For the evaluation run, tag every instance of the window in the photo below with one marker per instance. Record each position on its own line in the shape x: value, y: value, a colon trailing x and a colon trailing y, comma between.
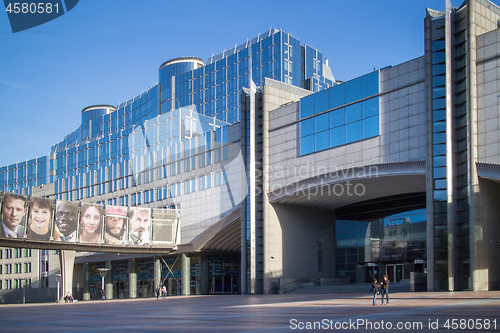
x: 209, y: 181
x: 202, y: 182
x: 345, y: 125
x: 44, y: 266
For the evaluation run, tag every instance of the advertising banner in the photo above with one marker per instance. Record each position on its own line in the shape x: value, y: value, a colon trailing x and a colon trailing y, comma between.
x: 40, y: 218
x: 66, y: 221
x: 91, y: 223
x: 82, y: 226
x: 13, y: 215
x: 139, y: 226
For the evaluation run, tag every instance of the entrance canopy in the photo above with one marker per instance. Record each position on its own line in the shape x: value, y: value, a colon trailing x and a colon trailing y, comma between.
x: 344, y: 187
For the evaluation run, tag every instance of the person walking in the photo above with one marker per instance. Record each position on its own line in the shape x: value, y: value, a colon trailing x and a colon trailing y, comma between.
x: 157, y: 291
x: 385, y: 289
x: 374, y: 289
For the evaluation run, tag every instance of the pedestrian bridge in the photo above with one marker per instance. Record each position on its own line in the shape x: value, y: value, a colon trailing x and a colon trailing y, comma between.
x: 41, y: 223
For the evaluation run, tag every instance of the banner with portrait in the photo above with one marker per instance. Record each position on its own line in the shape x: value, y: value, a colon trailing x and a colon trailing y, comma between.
x: 115, y: 225
x: 85, y: 226
x: 40, y: 218
x: 139, y: 226
x: 66, y: 221
x: 13, y: 215
x: 91, y: 223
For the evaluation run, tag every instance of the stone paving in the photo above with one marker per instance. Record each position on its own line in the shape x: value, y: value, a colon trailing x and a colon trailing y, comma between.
x: 411, y: 312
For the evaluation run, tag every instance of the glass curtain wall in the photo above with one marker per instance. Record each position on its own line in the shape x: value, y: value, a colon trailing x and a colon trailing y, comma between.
x: 99, y: 148
x: 395, y: 239
x: 440, y: 194
x: 342, y: 114
x: 461, y: 130
x: 215, y: 88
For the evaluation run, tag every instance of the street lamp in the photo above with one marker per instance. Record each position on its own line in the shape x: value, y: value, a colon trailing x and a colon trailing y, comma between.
x: 58, y: 279
x: 103, y: 272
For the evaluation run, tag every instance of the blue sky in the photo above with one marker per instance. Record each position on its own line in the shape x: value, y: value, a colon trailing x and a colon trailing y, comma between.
x: 109, y: 51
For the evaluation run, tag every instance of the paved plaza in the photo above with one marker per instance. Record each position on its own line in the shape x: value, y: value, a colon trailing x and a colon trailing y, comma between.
x: 423, y: 312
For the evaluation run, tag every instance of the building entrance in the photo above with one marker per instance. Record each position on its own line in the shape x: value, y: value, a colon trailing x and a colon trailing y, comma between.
x: 371, y: 271
x: 395, y: 272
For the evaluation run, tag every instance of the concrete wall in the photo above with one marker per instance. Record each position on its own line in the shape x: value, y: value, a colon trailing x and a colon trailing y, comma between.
x: 488, y: 90
x: 487, y: 237
x: 402, y: 112
x: 305, y: 230
x: 275, y: 95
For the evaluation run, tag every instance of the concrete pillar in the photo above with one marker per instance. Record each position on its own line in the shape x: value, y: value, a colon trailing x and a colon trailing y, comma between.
x: 132, y: 278
x: 157, y: 276
x: 204, y: 275
x: 86, y: 282
x: 108, y: 280
x: 185, y: 274
x: 66, y: 262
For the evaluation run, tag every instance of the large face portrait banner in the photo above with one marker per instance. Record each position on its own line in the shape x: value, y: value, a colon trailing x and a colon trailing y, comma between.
x: 115, y: 225
x: 13, y: 215
x: 40, y: 218
x: 139, y: 226
x: 66, y: 221
x: 91, y: 223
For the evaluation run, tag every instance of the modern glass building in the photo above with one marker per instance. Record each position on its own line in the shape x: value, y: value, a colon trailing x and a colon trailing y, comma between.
x: 283, y: 176
x: 173, y: 143
x: 110, y: 135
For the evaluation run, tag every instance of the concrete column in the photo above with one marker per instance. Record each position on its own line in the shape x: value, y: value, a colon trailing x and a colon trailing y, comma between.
x: 204, y: 275
x: 108, y: 280
x: 185, y: 274
x: 86, y: 282
x: 132, y: 279
x: 67, y: 262
x: 157, y: 276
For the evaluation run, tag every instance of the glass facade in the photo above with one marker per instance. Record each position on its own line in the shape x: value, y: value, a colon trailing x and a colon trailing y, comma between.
x: 439, y: 159
x: 155, y: 128
x: 342, y: 114
x: 216, y: 87
x: 450, y: 136
x: 373, y: 242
